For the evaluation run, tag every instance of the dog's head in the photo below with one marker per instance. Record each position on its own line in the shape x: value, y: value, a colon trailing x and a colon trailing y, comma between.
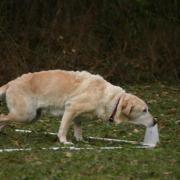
x: 134, y: 110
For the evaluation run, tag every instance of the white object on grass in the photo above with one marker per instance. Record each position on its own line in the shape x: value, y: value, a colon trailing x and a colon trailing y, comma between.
x: 113, y: 140
x: 151, y: 137
x: 23, y: 131
x: 29, y: 131
x: 15, y: 149
x: 71, y: 148
x: 93, y: 138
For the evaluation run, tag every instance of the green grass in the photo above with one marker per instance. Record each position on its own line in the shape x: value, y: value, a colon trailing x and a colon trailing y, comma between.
x: 162, y: 162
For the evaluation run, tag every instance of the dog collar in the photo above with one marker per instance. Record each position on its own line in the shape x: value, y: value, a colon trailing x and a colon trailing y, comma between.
x: 111, y: 118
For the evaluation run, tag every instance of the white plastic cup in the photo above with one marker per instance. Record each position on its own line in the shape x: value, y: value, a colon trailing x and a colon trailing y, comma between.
x: 151, y: 137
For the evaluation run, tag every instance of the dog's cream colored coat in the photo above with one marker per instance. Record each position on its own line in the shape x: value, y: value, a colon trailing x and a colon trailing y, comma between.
x: 70, y: 94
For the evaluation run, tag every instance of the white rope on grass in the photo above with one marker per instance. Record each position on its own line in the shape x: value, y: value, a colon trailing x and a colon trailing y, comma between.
x: 151, y: 137
x: 93, y: 138
x: 113, y: 140
x: 23, y: 131
x: 29, y: 131
x: 15, y: 149
x: 71, y: 148
x: 141, y: 145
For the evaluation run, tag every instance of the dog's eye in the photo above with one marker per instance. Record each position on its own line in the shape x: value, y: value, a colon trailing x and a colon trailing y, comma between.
x: 144, y: 110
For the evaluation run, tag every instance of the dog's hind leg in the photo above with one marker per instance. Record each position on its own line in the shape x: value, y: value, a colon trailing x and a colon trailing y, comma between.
x: 78, y: 130
x: 22, y: 108
x: 2, y: 126
x: 4, y: 121
x: 7, y: 119
x: 3, y: 90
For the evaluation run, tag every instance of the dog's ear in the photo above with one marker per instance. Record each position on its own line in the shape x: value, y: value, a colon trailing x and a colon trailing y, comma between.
x: 127, y: 106
x: 120, y: 106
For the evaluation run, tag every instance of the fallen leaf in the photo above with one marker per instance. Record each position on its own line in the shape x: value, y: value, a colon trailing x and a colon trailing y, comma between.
x: 135, y: 130
x: 68, y: 154
x: 172, y: 111
x: 167, y: 173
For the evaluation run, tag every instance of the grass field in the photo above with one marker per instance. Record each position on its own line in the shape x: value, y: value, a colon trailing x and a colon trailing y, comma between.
x: 162, y: 162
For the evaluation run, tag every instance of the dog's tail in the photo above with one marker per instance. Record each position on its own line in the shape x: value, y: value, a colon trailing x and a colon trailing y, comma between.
x: 3, y: 90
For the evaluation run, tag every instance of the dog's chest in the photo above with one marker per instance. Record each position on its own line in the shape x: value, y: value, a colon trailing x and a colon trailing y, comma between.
x: 99, y: 113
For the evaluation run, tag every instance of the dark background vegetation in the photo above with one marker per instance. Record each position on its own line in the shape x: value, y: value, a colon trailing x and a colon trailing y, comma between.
x: 123, y: 40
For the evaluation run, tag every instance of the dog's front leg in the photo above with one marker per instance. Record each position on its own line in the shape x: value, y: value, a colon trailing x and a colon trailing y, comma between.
x: 78, y: 130
x: 64, y: 127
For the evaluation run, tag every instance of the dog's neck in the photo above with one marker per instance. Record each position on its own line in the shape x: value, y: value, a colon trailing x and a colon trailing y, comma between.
x: 111, y: 95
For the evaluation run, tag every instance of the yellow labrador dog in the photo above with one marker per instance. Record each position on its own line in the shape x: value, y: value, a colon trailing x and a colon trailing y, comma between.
x: 71, y: 94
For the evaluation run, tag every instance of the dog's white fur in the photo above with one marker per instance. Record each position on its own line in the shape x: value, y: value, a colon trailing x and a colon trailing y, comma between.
x: 70, y: 94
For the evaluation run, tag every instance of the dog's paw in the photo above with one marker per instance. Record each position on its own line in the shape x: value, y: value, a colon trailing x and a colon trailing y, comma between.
x: 68, y: 143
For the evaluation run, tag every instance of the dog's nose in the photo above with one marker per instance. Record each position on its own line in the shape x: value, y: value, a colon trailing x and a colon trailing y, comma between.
x: 154, y: 122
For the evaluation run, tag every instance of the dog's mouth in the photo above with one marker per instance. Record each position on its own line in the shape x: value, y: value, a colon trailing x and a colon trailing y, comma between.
x: 153, y: 123
x: 144, y: 122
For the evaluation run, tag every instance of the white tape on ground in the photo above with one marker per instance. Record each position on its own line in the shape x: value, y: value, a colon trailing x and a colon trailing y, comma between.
x: 113, y: 140
x: 15, y: 149
x: 142, y: 145
x: 93, y: 138
x: 29, y: 131
x: 71, y: 148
